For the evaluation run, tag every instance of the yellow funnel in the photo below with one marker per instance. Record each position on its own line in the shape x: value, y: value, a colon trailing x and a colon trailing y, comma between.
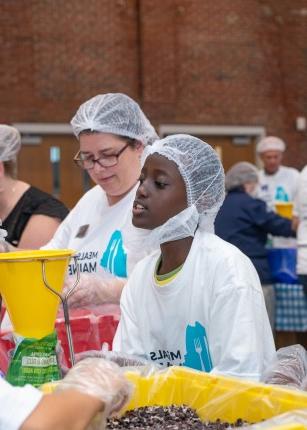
x: 31, y: 306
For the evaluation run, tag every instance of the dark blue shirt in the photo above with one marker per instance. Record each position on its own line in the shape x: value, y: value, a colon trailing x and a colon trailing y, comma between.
x: 245, y: 222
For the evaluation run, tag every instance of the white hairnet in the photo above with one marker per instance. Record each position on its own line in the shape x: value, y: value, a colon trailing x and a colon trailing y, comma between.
x: 270, y: 143
x: 239, y: 174
x: 10, y: 142
x: 114, y: 113
x: 203, y: 175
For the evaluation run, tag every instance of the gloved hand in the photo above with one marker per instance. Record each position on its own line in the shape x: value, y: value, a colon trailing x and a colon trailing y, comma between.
x: 120, y: 358
x: 139, y: 364
x: 94, y: 290
x: 290, y: 368
x: 101, y: 379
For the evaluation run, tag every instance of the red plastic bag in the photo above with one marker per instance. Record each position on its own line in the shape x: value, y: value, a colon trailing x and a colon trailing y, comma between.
x: 7, y: 346
x: 91, y: 328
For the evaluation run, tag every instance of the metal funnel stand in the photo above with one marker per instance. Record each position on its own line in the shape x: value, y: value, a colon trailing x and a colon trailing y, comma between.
x: 64, y: 299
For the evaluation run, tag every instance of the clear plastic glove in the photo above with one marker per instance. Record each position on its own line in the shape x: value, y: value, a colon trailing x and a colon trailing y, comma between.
x: 101, y: 379
x: 290, y: 367
x: 120, y: 358
x: 94, y: 290
x: 139, y: 364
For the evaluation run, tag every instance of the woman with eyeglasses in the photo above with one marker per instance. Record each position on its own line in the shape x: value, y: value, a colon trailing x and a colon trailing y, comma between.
x: 112, y: 132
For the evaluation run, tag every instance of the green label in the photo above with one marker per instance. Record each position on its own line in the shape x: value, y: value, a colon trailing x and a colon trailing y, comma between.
x: 34, y: 362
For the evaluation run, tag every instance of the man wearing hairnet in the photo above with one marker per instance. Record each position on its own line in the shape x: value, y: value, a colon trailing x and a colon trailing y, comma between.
x: 197, y: 301
x: 244, y: 221
x: 277, y: 183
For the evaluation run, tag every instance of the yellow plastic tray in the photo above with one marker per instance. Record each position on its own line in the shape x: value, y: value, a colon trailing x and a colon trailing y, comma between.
x: 214, y: 396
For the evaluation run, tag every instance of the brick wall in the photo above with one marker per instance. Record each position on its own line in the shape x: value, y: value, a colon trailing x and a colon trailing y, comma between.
x: 57, y: 54
x: 205, y: 62
x: 242, y: 62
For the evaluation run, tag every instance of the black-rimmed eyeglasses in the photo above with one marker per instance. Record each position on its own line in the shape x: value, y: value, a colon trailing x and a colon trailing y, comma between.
x: 88, y: 163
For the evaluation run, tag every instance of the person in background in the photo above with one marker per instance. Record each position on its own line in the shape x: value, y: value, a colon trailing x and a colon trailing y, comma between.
x: 301, y: 206
x: 277, y: 183
x: 244, y: 221
x: 112, y: 131
x: 91, y: 386
x: 197, y: 300
x: 30, y: 216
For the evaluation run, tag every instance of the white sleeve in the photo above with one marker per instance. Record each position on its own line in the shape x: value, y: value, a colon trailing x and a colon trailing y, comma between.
x: 296, y: 180
x: 127, y: 337
x: 302, y: 227
x: 296, y: 191
x: 302, y: 195
x: 63, y: 234
x: 68, y: 229
x: 241, y: 340
x: 17, y: 403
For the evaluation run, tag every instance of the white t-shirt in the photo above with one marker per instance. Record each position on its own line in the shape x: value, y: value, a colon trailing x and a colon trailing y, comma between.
x: 96, y: 230
x: 16, y: 404
x: 279, y: 187
x: 210, y: 317
x: 93, y: 229
x: 301, y: 204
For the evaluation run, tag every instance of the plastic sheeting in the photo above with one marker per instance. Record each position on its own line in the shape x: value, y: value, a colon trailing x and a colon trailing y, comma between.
x: 294, y: 420
x: 290, y: 367
x: 91, y: 328
x: 215, y: 396
x: 218, y: 397
x: 126, y: 361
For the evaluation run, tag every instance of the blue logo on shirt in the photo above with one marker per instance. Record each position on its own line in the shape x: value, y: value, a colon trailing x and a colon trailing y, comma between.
x: 197, y: 347
x: 114, y: 258
x: 281, y: 194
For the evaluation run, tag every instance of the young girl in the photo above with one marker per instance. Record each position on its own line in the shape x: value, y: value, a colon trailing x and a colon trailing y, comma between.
x: 197, y: 301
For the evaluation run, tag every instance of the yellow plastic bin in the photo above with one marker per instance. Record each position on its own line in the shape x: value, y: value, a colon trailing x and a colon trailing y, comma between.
x: 214, y: 396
